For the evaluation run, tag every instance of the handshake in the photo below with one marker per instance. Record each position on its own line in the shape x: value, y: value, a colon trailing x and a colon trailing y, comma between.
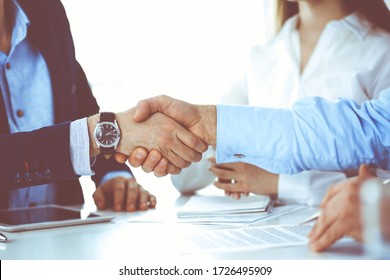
x: 162, y: 134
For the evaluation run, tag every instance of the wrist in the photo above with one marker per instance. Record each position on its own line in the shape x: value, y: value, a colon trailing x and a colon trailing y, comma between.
x: 93, y: 147
x: 126, y: 126
x: 104, y: 134
x: 208, y: 115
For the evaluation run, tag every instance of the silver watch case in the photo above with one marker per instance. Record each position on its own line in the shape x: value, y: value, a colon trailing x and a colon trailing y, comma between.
x: 115, y: 125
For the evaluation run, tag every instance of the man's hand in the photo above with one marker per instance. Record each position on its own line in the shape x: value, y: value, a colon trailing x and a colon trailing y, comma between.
x: 123, y: 195
x: 152, y: 161
x: 200, y: 120
x: 159, y: 132
x: 340, y: 213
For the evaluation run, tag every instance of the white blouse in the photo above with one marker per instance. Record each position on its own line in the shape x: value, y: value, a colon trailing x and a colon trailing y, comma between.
x: 350, y: 60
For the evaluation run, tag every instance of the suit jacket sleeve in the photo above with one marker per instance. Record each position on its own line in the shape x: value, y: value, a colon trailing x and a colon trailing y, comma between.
x: 36, y: 157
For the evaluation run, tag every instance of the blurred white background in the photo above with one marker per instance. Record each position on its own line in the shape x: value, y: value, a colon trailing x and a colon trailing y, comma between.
x: 189, y: 49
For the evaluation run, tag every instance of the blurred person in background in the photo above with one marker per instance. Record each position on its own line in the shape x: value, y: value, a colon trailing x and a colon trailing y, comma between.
x: 331, y: 49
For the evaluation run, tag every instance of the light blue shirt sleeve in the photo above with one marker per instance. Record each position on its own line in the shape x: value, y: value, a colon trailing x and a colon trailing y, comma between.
x: 314, y: 134
x: 79, y: 147
x: 114, y: 174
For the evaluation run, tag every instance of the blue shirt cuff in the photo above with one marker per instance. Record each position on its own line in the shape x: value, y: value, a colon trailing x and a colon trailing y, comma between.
x: 79, y: 147
x: 113, y: 174
x: 243, y: 135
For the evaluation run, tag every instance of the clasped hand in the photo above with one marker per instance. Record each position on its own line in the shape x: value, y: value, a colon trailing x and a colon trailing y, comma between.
x: 164, y: 135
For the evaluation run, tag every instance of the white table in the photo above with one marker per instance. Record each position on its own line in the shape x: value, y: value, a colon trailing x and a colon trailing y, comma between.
x: 120, y: 239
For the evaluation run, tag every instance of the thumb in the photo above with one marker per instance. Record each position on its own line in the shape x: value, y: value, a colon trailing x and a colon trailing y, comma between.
x: 121, y: 158
x: 143, y: 111
x: 365, y: 171
x: 99, y: 199
x: 148, y: 107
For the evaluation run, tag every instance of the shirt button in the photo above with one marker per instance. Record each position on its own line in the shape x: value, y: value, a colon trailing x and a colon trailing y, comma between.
x: 20, y: 113
x: 8, y: 65
x: 239, y: 155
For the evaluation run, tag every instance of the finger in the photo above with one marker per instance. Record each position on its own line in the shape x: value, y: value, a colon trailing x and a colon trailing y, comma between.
x: 227, y: 187
x: 152, y: 201
x: 138, y: 156
x: 143, y: 199
x: 315, y: 232
x: 98, y: 197
x: 161, y: 168
x: 331, y: 193
x: 224, y: 166
x: 365, y: 171
x: 132, y: 195
x: 119, y: 189
x: 121, y: 158
x: 177, y: 160
x: 185, y: 150
x: 151, y: 161
x: 326, y: 219
x: 171, y: 169
x: 212, y: 160
x: 236, y: 195
x: 227, y: 166
x: 329, y: 237
x: 223, y: 174
x: 193, y: 142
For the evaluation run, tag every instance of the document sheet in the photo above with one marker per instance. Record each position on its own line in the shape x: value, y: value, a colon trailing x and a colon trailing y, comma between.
x: 247, y: 238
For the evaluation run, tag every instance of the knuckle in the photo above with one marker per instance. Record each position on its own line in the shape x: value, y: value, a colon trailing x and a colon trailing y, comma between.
x: 146, y: 168
x: 117, y: 180
x: 194, y: 156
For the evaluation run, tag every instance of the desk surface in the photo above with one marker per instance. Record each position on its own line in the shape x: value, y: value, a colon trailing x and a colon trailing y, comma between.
x: 120, y: 239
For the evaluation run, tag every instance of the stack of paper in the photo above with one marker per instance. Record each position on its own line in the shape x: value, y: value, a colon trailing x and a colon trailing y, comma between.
x: 245, y: 238
x: 218, y: 219
x: 203, y: 206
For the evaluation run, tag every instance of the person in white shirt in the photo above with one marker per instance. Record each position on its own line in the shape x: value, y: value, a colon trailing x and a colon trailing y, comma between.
x: 324, y: 48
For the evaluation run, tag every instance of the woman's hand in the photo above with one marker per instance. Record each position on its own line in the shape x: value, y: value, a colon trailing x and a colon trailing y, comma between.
x: 239, y: 178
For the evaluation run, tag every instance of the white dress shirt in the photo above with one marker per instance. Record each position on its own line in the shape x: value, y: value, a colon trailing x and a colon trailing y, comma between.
x: 351, y: 58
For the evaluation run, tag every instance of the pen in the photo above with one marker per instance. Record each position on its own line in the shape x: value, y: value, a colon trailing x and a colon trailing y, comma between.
x: 3, y: 238
x: 311, y: 218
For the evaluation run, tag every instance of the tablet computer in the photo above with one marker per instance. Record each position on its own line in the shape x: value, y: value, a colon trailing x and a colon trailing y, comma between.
x: 46, y: 216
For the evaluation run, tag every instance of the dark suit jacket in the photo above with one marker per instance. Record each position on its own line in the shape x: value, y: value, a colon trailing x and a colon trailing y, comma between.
x: 46, y: 150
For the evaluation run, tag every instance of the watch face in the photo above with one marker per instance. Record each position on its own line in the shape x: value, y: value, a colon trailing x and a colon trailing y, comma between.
x: 107, y: 134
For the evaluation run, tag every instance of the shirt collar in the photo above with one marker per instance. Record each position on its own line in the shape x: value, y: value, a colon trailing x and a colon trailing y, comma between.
x: 353, y: 22
x: 357, y: 25
x: 21, y: 23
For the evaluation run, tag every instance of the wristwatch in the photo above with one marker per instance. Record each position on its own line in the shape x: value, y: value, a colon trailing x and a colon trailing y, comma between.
x: 107, y: 134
